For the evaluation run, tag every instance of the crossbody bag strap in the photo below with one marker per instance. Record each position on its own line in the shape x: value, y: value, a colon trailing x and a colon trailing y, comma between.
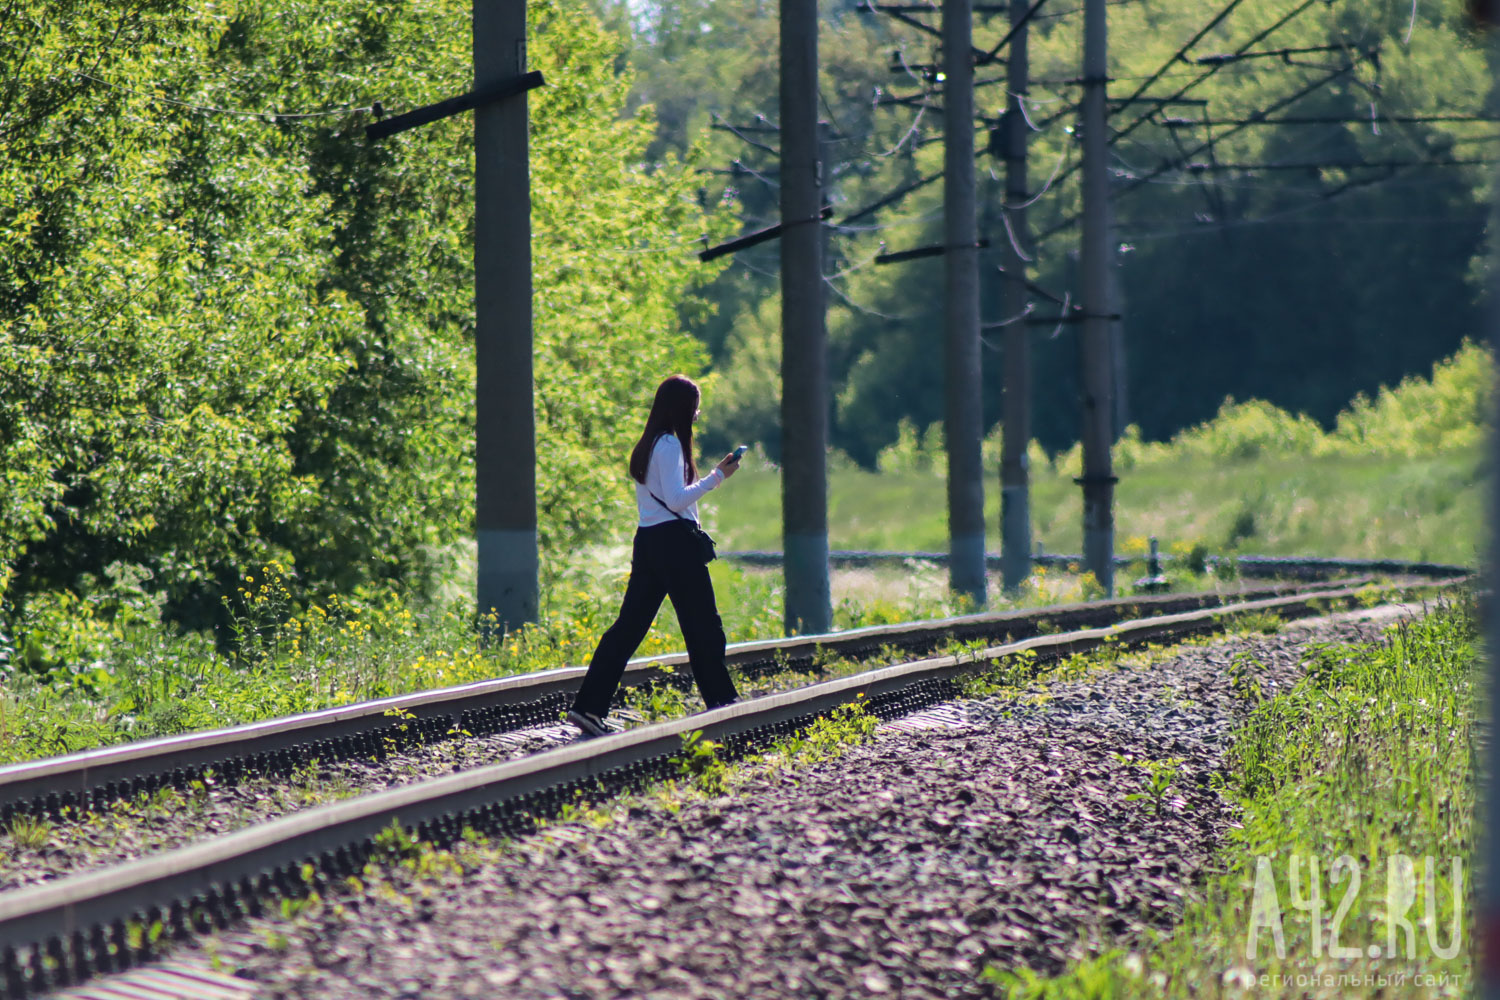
x: 670, y: 510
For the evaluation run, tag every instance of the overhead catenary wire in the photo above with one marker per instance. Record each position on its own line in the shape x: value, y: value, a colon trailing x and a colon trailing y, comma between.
x: 888, y: 199
x: 1286, y: 215
x: 900, y: 14
x: 723, y: 126
x: 1347, y: 165
x: 1198, y: 78
x: 1259, y: 37
x: 1283, y: 54
x: 869, y: 311
x: 1260, y: 119
x: 1275, y: 106
x: 1169, y: 164
x: 1031, y: 12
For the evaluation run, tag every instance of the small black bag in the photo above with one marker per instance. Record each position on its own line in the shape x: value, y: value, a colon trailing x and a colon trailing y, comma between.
x: 701, y: 538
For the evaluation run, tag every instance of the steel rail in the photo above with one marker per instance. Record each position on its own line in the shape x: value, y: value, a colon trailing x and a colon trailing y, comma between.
x: 1282, y: 567
x: 91, y: 778
x: 67, y: 929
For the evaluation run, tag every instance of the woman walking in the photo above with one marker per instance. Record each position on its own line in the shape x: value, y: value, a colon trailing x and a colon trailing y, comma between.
x: 667, y: 560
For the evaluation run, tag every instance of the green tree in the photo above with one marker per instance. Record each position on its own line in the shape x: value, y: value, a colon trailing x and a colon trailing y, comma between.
x: 1275, y: 284
x: 235, y: 330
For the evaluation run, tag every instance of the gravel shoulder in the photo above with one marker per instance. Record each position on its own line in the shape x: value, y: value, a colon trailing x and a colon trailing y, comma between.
x: 1010, y: 830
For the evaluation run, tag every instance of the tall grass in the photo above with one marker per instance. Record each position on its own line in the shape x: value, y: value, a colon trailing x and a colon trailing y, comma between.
x: 1370, y: 759
x: 94, y: 671
x: 1399, y: 476
x: 1428, y: 509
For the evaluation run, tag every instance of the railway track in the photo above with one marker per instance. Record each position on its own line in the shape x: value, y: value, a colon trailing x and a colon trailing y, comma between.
x: 76, y: 783
x: 100, y: 921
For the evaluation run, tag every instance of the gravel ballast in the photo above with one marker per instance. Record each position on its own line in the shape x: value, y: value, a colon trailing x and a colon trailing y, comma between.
x: 996, y: 831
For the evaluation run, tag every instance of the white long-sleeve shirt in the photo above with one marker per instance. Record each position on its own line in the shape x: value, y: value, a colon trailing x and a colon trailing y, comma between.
x: 664, y: 475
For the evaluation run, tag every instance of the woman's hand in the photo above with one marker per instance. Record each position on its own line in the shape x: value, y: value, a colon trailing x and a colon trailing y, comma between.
x: 728, y: 466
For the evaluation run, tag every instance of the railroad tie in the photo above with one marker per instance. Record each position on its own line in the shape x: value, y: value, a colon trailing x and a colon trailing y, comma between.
x: 167, y: 981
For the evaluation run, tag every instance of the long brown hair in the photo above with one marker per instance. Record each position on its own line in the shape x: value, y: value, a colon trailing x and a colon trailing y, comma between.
x: 672, y: 412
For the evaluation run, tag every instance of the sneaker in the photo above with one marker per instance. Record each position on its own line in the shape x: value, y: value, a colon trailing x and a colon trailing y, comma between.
x: 589, y: 723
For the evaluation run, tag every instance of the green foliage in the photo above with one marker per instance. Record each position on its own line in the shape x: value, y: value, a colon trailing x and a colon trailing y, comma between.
x: 748, y: 404
x: 397, y: 843
x: 656, y: 702
x: 1248, y: 430
x: 829, y: 737
x: 95, y: 671
x: 1266, y: 285
x: 699, y: 763
x: 28, y: 833
x: 231, y: 339
x: 1445, y: 413
x: 915, y: 452
x: 1400, y: 476
x: 1448, y: 412
x: 1160, y: 776
x: 101, y: 669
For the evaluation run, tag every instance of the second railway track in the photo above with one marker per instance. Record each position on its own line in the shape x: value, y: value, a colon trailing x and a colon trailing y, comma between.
x: 94, y: 922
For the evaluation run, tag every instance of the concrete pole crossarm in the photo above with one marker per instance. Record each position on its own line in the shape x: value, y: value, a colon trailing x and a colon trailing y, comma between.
x: 429, y: 113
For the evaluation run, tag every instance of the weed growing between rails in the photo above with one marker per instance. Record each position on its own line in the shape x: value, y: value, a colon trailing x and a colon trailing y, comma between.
x: 1350, y: 875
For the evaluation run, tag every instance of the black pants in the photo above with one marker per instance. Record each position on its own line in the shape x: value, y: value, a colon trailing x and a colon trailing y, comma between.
x: 663, y: 563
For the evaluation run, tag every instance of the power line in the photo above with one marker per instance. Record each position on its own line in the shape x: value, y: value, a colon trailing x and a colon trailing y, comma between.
x: 867, y: 310
x: 1172, y: 163
x: 1015, y: 26
x: 1202, y: 168
x: 1276, y: 106
x: 900, y: 13
x: 739, y: 132
x: 888, y: 199
x: 1180, y: 53
x: 1199, y: 78
x: 1306, y: 206
x: 1256, y: 40
x: 1260, y: 119
x: 1284, y: 54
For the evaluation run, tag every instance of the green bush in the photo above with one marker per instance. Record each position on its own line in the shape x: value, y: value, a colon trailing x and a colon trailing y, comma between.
x: 1249, y: 430
x: 1447, y: 413
x: 914, y: 450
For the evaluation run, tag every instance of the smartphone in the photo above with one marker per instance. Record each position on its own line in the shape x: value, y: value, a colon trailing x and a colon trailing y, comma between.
x: 739, y: 452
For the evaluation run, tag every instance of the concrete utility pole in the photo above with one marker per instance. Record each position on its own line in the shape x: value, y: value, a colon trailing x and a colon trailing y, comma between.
x: 1120, y: 383
x: 505, y: 431
x: 1015, y: 474
x: 1098, y: 479
x: 1486, y: 852
x: 963, y: 423
x: 804, y: 337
